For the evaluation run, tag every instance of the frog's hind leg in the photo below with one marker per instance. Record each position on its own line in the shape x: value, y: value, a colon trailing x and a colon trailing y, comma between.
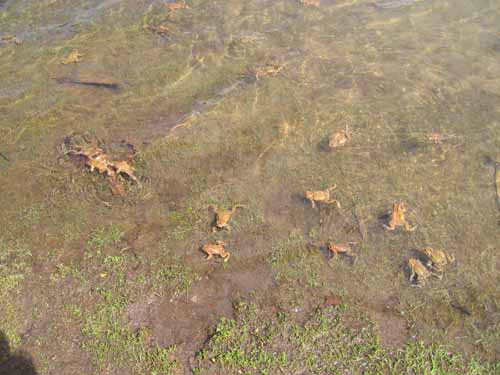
x: 391, y: 226
x: 438, y: 274
x: 334, y: 201
x: 413, y: 279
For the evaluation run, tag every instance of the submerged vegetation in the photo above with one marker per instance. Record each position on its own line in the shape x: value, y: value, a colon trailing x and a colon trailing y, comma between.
x: 315, y: 118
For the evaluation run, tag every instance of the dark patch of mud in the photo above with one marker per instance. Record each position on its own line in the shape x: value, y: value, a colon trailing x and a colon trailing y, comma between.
x: 187, y: 321
x: 391, y: 326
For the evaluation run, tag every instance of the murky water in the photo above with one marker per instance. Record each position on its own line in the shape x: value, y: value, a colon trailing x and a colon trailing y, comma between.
x: 232, y: 101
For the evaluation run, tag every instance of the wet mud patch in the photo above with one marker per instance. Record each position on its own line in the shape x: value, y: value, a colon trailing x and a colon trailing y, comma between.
x: 390, y: 325
x: 186, y: 321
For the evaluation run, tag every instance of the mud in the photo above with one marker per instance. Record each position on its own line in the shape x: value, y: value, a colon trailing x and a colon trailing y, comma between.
x: 187, y: 321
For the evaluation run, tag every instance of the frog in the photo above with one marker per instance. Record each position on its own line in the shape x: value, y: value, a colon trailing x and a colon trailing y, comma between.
x: 101, y: 164
x: 177, y: 5
x: 419, y: 273
x: 437, y: 259
x: 125, y: 168
x: 341, y: 248
x: 160, y: 29
x: 398, y: 218
x: 439, y: 138
x: 268, y: 69
x: 9, y: 39
x: 72, y: 58
x: 321, y: 196
x: 339, y: 138
x: 222, y: 217
x: 216, y: 248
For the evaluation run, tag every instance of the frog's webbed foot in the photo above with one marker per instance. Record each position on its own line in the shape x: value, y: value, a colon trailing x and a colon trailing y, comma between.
x: 226, y: 258
x: 209, y: 256
x: 409, y: 228
x: 389, y: 227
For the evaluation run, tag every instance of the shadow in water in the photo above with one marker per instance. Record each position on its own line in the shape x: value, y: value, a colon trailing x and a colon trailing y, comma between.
x: 18, y: 363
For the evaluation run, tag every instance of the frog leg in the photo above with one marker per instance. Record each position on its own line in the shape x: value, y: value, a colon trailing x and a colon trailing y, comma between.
x: 334, y: 201
x: 209, y: 257
x: 412, y: 278
x: 437, y: 275
x: 409, y: 228
x: 391, y: 226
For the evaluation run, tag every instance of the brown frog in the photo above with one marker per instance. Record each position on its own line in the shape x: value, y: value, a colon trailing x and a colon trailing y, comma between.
x: 125, y: 168
x: 268, y: 69
x: 222, y: 217
x: 339, y: 138
x: 419, y: 274
x: 9, y: 39
x: 437, y: 259
x: 321, y: 196
x: 160, y: 30
x: 72, y: 58
x: 341, y: 248
x: 177, y: 5
x: 398, y: 218
x: 216, y: 248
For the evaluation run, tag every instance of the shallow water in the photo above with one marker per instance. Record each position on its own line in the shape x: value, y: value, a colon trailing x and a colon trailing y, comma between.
x: 213, y: 127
